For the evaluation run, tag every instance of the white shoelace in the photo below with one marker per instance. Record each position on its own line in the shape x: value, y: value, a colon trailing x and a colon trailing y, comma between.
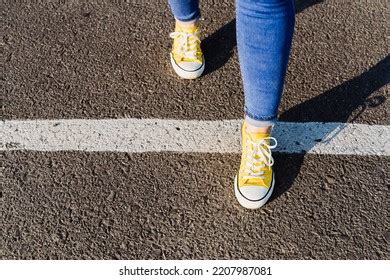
x: 260, y: 157
x: 185, y: 43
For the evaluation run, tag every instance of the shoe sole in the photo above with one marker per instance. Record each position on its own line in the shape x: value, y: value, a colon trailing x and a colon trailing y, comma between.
x: 187, y: 74
x: 250, y: 204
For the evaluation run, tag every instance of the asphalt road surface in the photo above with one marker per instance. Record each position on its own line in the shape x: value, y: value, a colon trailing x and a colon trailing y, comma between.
x: 94, y: 60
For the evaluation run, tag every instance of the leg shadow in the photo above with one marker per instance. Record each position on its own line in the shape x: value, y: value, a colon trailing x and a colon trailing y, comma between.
x: 301, y: 5
x: 335, y: 105
x: 218, y: 47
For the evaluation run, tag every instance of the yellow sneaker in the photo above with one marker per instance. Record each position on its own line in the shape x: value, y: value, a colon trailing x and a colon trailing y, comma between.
x: 186, y: 56
x: 255, y: 180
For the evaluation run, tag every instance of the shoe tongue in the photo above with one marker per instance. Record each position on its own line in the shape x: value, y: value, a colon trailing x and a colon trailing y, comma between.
x: 258, y: 136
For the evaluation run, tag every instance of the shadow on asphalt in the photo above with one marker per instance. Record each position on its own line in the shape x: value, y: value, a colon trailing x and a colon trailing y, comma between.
x: 335, y: 105
x: 221, y: 43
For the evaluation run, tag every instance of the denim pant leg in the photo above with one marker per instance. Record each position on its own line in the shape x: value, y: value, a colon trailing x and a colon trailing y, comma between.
x: 264, y: 35
x: 185, y: 10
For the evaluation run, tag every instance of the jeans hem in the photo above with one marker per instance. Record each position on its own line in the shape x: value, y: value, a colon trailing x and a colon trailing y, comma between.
x: 260, y: 121
x: 192, y: 17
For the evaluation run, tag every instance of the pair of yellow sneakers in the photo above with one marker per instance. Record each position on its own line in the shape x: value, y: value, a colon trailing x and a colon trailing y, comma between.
x: 254, y: 183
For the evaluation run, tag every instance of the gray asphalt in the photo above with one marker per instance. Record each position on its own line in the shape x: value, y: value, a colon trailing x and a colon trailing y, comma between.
x: 106, y: 60
x: 159, y: 205
x: 102, y: 60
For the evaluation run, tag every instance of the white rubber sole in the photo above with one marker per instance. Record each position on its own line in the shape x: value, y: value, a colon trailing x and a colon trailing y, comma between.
x: 187, y: 74
x: 244, y: 202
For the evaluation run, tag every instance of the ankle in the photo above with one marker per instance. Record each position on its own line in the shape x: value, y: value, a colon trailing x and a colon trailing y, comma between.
x: 259, y: 126
x: 256, y: 129
x: 192, y: 23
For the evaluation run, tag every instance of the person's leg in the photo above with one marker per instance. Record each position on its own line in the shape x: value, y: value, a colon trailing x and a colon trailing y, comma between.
x: 264, y: 35
x: 186, y: 57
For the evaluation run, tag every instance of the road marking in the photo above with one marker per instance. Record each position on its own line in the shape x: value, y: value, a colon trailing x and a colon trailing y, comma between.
x: 157, y: 135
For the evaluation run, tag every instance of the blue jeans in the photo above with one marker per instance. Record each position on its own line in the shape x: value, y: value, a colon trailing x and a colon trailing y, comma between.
x: 264, y: 34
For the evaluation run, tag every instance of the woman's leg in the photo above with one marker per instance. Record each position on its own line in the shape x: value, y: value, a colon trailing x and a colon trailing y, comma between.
x: 185, y: 10
x: 186, y: 57
x: 264, y: 34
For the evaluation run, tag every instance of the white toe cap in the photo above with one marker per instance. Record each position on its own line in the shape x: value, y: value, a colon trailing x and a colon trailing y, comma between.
x: 252, y: 197
x: 189, y: 66
x: 254, y: 193
x: 188, y: 70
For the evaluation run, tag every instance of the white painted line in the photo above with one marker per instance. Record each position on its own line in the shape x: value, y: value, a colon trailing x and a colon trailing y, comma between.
x: 156, y: 135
